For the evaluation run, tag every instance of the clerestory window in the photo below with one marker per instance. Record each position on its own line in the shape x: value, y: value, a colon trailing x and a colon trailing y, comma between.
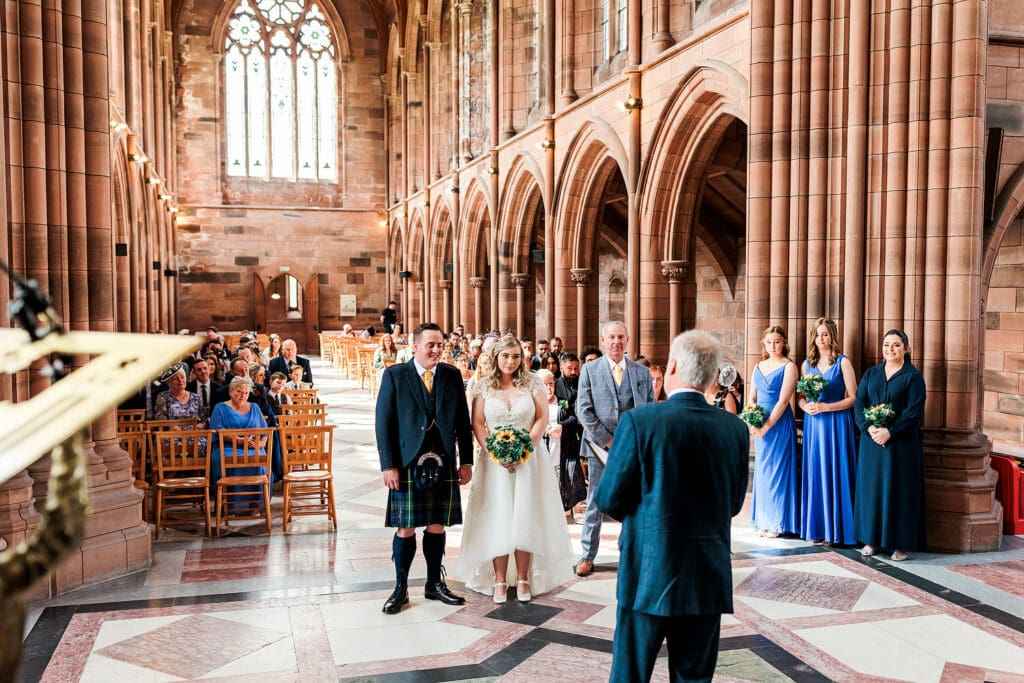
x: 613, y: 28
x: 280, y: 91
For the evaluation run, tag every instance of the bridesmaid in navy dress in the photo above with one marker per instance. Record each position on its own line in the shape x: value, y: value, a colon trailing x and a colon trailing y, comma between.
x: 776, y: 499
x: 889, y: 505
x: 829, y: 447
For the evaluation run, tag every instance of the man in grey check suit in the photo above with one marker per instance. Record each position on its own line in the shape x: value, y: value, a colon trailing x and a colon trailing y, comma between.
x: 609, y: 386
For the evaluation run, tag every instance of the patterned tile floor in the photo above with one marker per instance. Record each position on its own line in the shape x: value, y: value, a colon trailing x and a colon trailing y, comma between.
x: 305, y: 606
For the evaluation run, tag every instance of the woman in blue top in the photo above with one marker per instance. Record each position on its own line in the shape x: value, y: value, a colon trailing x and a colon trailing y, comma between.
x: 236, y: 413
x: 776, y: 498
x: 830, y: 456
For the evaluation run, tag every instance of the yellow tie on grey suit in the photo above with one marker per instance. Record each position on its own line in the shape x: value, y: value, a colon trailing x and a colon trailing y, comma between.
x: 427, y: 377
x: 617, y: 374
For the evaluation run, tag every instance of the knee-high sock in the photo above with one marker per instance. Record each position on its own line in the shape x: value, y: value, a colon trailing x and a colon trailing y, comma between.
x: 403, y: 550
x: 433, y: 551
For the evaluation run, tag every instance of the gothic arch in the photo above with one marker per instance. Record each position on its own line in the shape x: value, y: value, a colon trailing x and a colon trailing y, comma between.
x: 414, y: 37
x: 706, y: 101
x: 268, y: 271
x: 441, y: 238
x: 1009, y: 205
x: 595, y: 153
x: 523, y: 196
x: 416, y: 262
x: 475, y: 216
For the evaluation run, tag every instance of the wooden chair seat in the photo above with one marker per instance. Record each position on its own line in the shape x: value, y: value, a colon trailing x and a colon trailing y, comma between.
x: 244, y: 480
x: 182, y: 482
x: 308, y: 454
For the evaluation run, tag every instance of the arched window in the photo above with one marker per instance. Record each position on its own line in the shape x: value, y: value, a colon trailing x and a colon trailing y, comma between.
x: 613, y: 28
x: 280, y: 91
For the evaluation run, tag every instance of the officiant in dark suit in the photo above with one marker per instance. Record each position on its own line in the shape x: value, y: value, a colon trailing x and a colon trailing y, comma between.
x: 421, y: 408
x: 676, y: 476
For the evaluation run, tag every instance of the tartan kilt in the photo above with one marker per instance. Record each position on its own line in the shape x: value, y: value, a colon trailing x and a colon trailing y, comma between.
x: 408, y: 507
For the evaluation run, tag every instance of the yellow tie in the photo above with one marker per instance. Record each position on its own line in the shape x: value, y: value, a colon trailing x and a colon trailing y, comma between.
x: 617, y: 374
x: 427, y: 376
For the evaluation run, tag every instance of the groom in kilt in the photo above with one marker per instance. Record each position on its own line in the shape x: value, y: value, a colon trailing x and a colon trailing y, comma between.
x: 422, y: 410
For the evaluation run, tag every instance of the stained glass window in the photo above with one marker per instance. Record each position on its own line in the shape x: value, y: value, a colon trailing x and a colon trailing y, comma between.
x: 280, y: 91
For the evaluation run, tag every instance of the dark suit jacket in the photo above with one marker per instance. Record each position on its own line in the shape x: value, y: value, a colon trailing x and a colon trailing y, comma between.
x: 676, y: 476
x: 280, y: 364
x: 403, y: 416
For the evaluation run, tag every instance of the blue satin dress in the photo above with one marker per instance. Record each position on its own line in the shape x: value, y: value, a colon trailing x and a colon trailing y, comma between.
x: 776, y: 498
x: 829, y: 465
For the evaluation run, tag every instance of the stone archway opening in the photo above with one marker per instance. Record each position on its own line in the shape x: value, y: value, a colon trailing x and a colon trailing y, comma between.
x: 719, y: 229
x: 285, y: 308
x: 1003, y: 370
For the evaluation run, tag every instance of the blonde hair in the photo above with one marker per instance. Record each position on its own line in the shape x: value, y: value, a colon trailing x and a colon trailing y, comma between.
x: 521, y: 377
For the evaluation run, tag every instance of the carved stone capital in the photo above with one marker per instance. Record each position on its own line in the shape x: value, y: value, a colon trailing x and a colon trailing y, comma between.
x: 675, y: 271
x: 477, y: 282
x: 581, y: 276
x: 463, y: 8
x: 418, y: 285
x: 444, y: 284
x: 519, y: 280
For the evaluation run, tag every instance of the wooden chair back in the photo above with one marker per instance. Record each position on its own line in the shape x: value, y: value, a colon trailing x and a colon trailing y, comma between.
x: 131, y: 421
x: 304, y: 408
x: 175, y: 453
x: 136, y: 444
x: 307, y: 447
x: 302, y: 396
x: 302, y: 419
x: 234, y: 456
x: 173, y: 425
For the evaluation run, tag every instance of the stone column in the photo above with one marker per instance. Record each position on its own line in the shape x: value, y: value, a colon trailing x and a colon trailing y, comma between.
x: 478, y: 284
x: 674, y: 273
x: 446, y: 303
x: 519, y: 281
x: 421, y: 300
x: 568, y: 52
x: 581, y: 278
x: 662, y: 37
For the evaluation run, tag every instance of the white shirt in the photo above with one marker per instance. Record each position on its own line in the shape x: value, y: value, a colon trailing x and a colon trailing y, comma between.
x: 684, y: 390
x: 554, y: 442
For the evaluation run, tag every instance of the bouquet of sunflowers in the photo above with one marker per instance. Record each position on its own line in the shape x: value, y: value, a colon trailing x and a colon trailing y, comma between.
x: 509, y: 446
x: 880, y: 415
x: 811, y: 386
x: 754, y: 415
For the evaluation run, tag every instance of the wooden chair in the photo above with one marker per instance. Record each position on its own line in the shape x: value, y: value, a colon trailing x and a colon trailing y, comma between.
x: 239, y: 468
x: 352, y: 359
x: 182, y: 466
x: 136, y: 444
x: 308, y: 476
x: 367, y: 373
x: 131, y: 421
x: 304, y: 408
x: 302, y: 396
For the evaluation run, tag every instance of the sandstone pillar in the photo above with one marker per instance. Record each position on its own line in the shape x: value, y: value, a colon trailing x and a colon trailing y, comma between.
x: 581, y: 278
x: 519, y: 281
x: 674, y: 273
x: 568, y: 52
x: 478, y: 284
x: 446, y: 304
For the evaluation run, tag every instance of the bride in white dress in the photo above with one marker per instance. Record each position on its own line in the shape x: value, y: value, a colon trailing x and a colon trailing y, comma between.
x: 514, y: 510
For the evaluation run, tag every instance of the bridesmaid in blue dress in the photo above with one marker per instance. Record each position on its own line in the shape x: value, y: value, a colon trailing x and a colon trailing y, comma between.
x: 829, y: 448
x: 889, y: 505
x: 236, y: 413
x: 776, y: 498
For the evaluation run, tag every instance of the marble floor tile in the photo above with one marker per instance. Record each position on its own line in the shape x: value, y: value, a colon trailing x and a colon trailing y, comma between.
x: 745, y: 665
x: 597, y: 591
x: 411, y: 639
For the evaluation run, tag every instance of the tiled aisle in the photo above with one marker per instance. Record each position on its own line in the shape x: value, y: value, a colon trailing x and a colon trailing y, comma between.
x: 306, y: 607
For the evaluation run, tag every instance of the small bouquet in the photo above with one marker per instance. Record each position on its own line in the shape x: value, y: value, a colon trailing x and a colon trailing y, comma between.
x: 811, y: 386
x: 509, y: 446
x: 563, y: 404
x: 754, y: 415
x: 880, y: 415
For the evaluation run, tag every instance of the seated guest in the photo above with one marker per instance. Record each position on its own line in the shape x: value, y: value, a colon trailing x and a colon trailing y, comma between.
x: 235, y: 413
x: 275, y: 399
x: 368, y: 333
x: 177, y: 403
x: 204, y: 387
x: 238, y: 368
x: 258, y: 375
x: 290, y: 355
x: 590, y: 353
x: 218, y: 371
x: 550, y: 363
x: 398, y: 335
x: 658, y: 383
x: 295, y: 373
x: 272, y: 351
x: 347, y: 331
x: 246, y: 354
x: 385, y: 351
x: 462, y: 363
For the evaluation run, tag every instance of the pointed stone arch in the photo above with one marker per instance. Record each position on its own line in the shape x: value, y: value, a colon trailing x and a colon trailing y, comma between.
x: 521, y: 230
x: 441, y: 245
x: 475, y: 224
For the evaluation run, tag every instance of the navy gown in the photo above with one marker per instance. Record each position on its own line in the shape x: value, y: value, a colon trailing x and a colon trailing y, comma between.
x: 889, y: 502
x: 830, y: 461
x: 776, y: 497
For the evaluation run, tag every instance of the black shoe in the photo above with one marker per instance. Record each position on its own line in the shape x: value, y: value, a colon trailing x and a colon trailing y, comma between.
x: 439, y: 591
x: 400, y: 596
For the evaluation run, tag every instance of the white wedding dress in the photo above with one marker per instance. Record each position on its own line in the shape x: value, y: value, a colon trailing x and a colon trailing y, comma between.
x: 509, y: 511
